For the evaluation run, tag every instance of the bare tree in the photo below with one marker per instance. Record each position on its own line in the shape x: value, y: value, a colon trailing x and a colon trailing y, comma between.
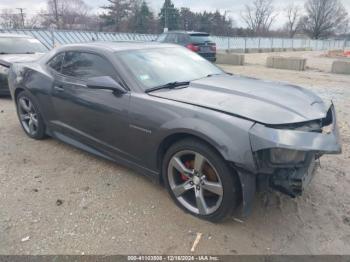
x: 293, y: 15
x: 67, y: 14
x: 324, y: 17
x: 10, y: 19
x: 259, y: 16
x: 34, y: 21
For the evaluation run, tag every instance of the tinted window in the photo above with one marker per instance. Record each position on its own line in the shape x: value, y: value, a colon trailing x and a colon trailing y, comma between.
x: 84, y: 65
x: 56, y: 62
x: 21, y: 45
x: 182, y: 38
x: 171, y: 38
x: 200, y: 38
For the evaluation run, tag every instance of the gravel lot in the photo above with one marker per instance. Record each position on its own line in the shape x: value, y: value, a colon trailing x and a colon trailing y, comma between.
x: 58, y: 200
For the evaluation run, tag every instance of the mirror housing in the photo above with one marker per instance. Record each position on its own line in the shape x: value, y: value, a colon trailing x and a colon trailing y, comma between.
x: 105, y: 82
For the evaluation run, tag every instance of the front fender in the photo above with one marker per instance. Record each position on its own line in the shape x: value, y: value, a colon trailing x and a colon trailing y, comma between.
x: 229, y: 136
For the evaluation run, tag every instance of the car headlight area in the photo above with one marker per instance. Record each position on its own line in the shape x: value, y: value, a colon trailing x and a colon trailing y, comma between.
x: 275, y: 158
x: 286, y: 170
x: 280, y: 156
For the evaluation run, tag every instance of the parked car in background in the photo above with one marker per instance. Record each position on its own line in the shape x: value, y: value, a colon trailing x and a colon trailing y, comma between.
x: 17, y: 48
x: 198, y: 42
x: 212, y: 138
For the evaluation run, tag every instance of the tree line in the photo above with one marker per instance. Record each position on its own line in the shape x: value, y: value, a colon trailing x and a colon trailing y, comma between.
x: 316, y: 18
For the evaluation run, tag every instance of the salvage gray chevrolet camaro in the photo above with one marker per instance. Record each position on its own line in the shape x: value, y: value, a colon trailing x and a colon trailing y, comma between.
x: 212, y: 138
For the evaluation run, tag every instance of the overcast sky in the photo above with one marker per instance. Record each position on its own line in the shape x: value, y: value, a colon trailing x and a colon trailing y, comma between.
x: 233, y: 6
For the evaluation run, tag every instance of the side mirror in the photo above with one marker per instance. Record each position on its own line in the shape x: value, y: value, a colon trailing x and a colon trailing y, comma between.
x: 105, y: 82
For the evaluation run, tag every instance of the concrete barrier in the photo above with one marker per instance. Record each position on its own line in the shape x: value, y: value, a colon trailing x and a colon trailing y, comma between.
x: 230, y: 59
x: 341, y: 67
x: 234, y: 50
x: 277, y: 50
x: 252, y: 50
x: 289, y: 63
x: 335, y: 53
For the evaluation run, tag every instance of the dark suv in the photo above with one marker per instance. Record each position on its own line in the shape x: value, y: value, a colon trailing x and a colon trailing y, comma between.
x: 196, y: 41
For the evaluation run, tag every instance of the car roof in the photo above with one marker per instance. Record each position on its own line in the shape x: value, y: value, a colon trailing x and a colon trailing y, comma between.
x: 118, y: 46
x: 14, y: 36
x: 187, y: 32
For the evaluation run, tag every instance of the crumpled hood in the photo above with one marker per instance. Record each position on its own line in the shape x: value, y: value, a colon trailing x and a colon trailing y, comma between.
x: 261, y: 101
x: 9, y: 59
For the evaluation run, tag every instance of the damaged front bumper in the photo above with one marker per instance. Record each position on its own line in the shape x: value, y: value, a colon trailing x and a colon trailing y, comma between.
x: 292, y: 181
x: 289, y: 178
x: 326, y: 141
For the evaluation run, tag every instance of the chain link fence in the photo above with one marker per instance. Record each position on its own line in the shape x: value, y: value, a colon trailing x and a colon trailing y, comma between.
x: 61, y: 37
x: 245, y: 44
x: 238, y: 44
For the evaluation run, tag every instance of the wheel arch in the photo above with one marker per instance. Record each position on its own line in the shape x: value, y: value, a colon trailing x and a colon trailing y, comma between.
x: 174, y: 137
x: 227, y: 136
x: 17, y: 92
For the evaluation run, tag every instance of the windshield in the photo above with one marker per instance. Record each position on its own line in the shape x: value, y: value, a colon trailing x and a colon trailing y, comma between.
x: 157, y: 67
x: 20, y: 45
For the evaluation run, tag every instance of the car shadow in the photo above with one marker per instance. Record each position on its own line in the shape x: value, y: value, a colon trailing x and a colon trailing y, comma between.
x: 5, y: 97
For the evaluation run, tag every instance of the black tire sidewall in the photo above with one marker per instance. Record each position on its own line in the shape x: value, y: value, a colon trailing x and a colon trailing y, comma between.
x: 227, y: 176
x: 41, y: 125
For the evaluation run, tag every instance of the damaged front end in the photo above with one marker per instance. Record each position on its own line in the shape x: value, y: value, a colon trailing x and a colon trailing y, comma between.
x: 288, y: 178
x: 286, y: 156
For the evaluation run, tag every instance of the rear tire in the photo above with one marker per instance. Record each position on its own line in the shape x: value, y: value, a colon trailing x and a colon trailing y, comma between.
x: 200, y: 181
x: 29, y: 116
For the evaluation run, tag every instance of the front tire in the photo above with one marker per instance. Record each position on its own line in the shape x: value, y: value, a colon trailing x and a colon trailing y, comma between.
x: 200, y: 181
x: 29, y: 116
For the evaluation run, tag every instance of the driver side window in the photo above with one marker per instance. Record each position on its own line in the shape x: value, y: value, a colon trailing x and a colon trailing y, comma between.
x: 85, y: 65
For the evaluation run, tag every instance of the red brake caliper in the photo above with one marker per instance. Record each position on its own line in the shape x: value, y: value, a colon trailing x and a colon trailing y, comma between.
x: 187, y: 165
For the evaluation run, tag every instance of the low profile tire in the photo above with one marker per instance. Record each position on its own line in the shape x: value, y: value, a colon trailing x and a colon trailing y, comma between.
x: 29, y: 116
x: 200, y: 181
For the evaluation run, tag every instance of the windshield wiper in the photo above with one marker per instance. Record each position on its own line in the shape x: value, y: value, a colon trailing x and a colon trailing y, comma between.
x: 170, y: 85
x: 218, y: 74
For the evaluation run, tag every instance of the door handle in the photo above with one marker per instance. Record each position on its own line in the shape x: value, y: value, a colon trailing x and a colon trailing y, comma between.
x: 58, y: 88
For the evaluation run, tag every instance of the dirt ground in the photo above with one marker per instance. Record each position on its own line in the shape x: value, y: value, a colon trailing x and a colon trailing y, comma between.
x: 58, y: 200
